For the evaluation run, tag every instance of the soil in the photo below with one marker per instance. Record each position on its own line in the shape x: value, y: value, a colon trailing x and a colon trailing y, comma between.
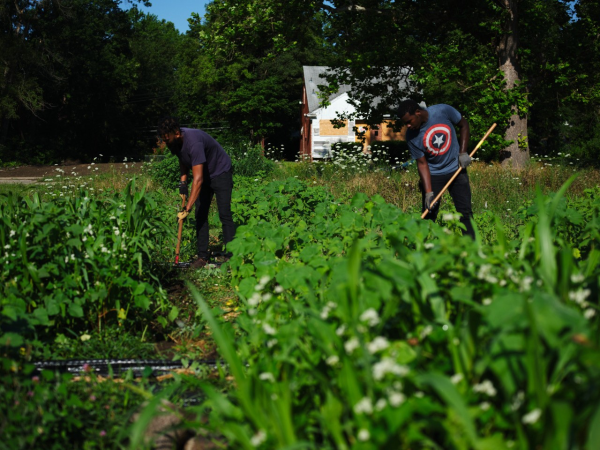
x: 39, y: 172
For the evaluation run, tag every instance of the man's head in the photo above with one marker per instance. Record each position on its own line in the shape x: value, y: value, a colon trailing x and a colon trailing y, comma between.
x: 412, y: 115
x: 170, y: 132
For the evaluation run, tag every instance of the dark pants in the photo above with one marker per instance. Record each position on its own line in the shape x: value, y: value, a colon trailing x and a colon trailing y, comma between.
x: 460, y: 191
x: 220, y: 187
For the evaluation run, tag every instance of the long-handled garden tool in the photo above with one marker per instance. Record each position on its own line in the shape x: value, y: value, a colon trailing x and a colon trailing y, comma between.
x: 436, y: 199
x: 177, y: 264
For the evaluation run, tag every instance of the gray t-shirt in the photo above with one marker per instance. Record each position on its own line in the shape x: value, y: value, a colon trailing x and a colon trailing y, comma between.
x: 436, y: 140
x: 201, y: 148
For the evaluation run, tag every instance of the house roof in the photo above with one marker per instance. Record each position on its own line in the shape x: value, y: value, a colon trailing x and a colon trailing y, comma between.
x: 313, y: 77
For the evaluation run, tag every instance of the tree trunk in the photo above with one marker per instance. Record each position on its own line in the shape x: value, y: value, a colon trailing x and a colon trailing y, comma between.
x: 517, y: 154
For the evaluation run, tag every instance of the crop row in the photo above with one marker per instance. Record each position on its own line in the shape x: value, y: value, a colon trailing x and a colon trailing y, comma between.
x: 363, y: 327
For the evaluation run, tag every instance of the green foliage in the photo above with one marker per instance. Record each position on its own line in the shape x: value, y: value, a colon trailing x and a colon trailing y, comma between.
x: 76, y: 262
x: 165, y: 172
x: 53, y: 411
x: 367, y: 328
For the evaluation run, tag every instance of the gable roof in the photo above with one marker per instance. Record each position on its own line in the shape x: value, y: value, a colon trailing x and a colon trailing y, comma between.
x: 312, y: 79
x: 314, y: 76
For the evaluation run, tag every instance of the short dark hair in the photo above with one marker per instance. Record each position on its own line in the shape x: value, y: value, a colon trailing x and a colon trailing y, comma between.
x: 167, y: 125
x: 408, y: 106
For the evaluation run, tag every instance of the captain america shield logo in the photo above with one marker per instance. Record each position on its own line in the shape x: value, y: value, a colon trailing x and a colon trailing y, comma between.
x: 437, y: 139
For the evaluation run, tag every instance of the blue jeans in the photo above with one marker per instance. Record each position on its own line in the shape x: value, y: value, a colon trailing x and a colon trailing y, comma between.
x: 460, y: 191
x: 220, y: 187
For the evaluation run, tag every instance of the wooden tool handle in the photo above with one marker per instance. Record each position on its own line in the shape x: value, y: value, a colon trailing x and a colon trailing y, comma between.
x: 179, y: 231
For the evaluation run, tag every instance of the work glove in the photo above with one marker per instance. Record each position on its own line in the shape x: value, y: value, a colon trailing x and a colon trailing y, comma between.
x: 183, y: 188
x: 428, y: 200
x: 182, y: 215
x: 464, y: 160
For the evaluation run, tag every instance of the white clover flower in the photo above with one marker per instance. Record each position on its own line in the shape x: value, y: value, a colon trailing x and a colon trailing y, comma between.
x: 396, y: 398
x: 266, y: 297
x: 517, y: 401
x: 340, y: 331
x: 259, y: 438
x: 526, y: 283
x: 364, y: 406
x: 363, y: 435
x: 426, y: 332
x: 388, y: 365
x: 269, y: 329
x: 104, y: 249
x: 378, y: 344
x: 456, y: 378
x: 117, y: 232
x: 370, y: 316
x: 278, y: 289
x: 589, y: 313
x: 254, y: 300
x: 428, y: 245
x: 487, y: 301
x: 484, y: 406
x: 332, y: 360
x: 580, y: 295
x: 351, y: 345
x: 532, y: 417
x: 381, y: 404
x: 267, y: 376
x: 272, y: 343
x: 7, y: 246
x: 577, y: 278
x: 485, y: 387
x: 12, y: 233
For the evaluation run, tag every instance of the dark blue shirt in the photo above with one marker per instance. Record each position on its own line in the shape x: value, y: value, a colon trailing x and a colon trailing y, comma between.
x: 436, y: 140
x: 201, y: 148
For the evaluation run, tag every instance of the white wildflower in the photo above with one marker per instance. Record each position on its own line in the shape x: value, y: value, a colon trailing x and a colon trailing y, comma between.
x: 517, y: 401
x: 396, y: 398
x: 381, y: 404
x: 258, y: 438
x: 580, y: 295
x: 426, y: 331
x: 363, y: 435
x: 370, y: 316
x: 267, y: 376
x: 532, y: 417
x: 487, y: 301
x: 254, y: 300
x: 340, y: 331
x: 589, y: 313
x: 378, y: 344
x: 269, y: 329
x: 332, y: 360
x: 388, y: 365
x: 577, y: 278
x: 278, y: 289
x: 351, y: 345
x: 456, y: 378
x: 12, y: 233
x: 428, y: 245
x: 484, y: 406
x: 272, y: 343
x: 364, y: 406
x: 485, y: 387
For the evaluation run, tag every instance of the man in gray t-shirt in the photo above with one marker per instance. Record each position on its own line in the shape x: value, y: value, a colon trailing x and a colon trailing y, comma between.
x: 433, y: 143
x: 211, y: 170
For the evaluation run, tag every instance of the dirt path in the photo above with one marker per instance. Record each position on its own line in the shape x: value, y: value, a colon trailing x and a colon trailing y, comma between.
x: 33, y: 174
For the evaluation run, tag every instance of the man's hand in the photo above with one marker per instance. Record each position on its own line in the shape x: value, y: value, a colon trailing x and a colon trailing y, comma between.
x: 183, y: 188
x: 182, y: 215
x: 464, y: 160
x: 428, y: 200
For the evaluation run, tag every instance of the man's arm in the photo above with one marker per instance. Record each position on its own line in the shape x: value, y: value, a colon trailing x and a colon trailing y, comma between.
x: 183, y: 171
x: 465, y: 135
x: 197, y: 173
x: 424, y: 173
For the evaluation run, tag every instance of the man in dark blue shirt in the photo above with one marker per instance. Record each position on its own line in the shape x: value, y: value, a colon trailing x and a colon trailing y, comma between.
x: 211, y: 172
x: 433, y: 144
